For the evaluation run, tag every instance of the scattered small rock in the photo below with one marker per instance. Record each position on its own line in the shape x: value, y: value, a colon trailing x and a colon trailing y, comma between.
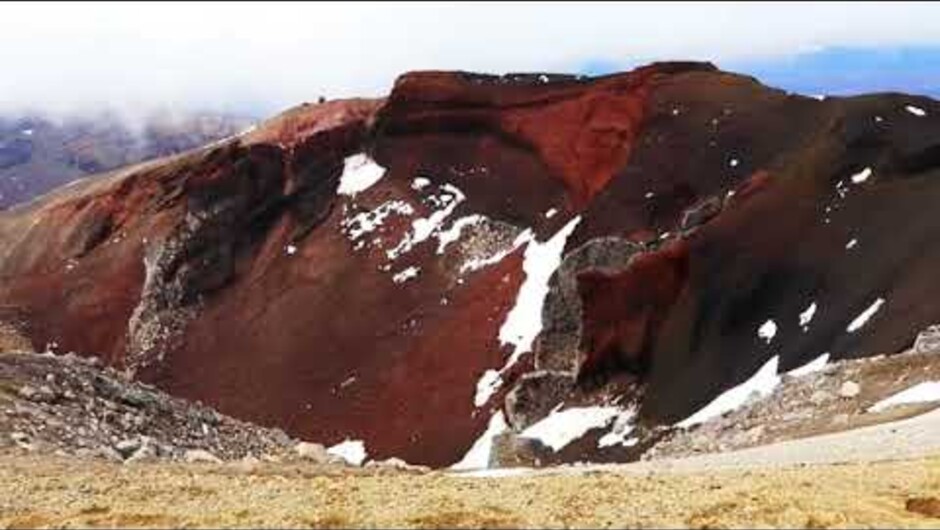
x: 820, y: 396
x: 127, y: 447
x: 849, y: 389
x: 19, y: 437
x: 67, y: 404
x: 145, y: 453
x: 248, y: 464
x: 199, y: 455
x: 313, y: 452
x: 396, y: 463
x: 929, y: 506
x: 840, y: 419
x: 109, y: 454
x: 512, y: 450
x: 928, y: 341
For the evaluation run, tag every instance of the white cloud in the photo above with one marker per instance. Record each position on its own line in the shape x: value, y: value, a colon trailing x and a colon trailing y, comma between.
x: 68, y: 55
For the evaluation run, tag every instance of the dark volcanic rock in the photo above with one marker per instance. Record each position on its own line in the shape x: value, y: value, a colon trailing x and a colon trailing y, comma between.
x: 535, y: 395
x: 559, y: 345
x: 705, y: 205
x: 511, y: 450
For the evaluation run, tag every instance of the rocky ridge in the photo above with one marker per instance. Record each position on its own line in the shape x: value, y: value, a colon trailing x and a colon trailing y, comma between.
x: 74, y: 407
x: 389, y: 266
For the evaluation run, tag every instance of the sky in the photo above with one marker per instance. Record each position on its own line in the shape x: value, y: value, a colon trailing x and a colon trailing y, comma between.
x: 263, y: 57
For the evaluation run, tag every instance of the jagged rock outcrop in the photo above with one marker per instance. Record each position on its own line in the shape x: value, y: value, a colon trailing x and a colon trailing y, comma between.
x: 928, y: 340
x: 359, y: 269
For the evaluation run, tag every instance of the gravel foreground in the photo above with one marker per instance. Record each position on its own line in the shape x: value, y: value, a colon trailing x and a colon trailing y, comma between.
x: 41, y: 492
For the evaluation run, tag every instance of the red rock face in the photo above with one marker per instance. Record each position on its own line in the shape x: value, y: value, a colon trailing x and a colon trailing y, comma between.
x: 622, y: 313
x: 238, y: 275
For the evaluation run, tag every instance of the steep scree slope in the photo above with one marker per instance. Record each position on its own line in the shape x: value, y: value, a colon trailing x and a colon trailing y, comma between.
x: 376, y: 269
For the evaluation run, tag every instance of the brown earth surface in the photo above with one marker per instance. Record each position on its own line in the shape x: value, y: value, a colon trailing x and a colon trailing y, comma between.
x: 57, y: 492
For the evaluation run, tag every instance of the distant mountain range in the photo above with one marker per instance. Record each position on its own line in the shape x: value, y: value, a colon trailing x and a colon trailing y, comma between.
x: 38, y: 153
x: 834, y: 71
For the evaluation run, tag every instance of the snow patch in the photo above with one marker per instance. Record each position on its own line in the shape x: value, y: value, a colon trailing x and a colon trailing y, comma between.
x: 807, y: 316
x: 488, y: 384
x: 649, y: 195
x: 446, y: 237
x: 360, y: 172
x: 478, y: 263
x: 422, y: 229
x: 478, y: 457
x: 560, y: 428
x: 407, y: 274
x: 813, y: 366
x: 863, y: 318
x: 916, y: 111
x: 926, y: 392
x: 767, y: 331
x: 551, y: 213
x: 861, y: 176
x: 524, y: 321
x: 366, y: 222
x: 734, y: 162
x: 761, y: 384
x: 291, y: 250
x: 352, y: 451
x: 622, y: 427
x: 420, y: 183
x: 851, y: 244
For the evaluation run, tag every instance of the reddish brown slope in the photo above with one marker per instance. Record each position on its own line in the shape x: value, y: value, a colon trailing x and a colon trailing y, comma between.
x: 321, y: 340
x: 239, y: 276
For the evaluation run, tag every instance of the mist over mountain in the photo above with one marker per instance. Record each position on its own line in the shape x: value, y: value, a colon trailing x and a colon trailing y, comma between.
x: 39, y: 151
